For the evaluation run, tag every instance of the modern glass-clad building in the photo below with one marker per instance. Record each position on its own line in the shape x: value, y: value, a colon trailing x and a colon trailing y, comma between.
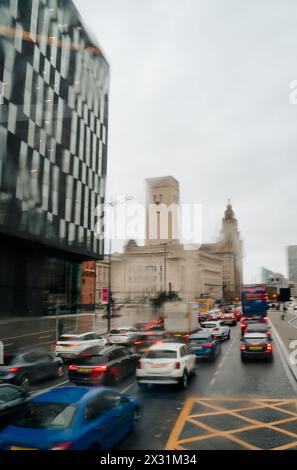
x: 53, y: 154
x: 292, y: 263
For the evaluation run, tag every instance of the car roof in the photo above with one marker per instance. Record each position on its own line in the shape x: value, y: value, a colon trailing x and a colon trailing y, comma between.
x: 255, y: 335
x: 124, y: 328
x: 201, y: 334
x: 78, y: 335
x: 166, y: 346
x: 152, y: 333
x: 101, y: 351
x: 70, y: 394
x: 257, y: 325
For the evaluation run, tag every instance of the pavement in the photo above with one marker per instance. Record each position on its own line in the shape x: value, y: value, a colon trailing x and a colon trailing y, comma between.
x: 285, y: 332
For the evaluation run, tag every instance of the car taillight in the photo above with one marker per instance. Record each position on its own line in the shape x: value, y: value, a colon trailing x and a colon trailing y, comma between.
x: 138, y: 342
x: 265, y: 318
x: 100, y: 369
x: 242, y: 347
x: 75, y: 344
x: 13, y: 369
x: 243, y: 326
x: 158, y: 342
x: 186, y: 335
x: 208, y: 345
x: 138, y: 365
x: 72, y: 367
x: 269, y: 347
x: 215, y: 329
x: 62, y: 446
x: 177, y: 365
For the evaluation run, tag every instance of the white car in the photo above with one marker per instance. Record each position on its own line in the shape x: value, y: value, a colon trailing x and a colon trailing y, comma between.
x: 218, y: 329
x: 72, y: 345
x: 124, y: 335
x: 214, y: 314
x: 167, y: 363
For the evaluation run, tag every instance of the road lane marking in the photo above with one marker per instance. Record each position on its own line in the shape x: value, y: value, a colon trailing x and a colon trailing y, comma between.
x: 232, y: 434
x: 179, y: 424
x: 27, y: 334
x: 42, y: 390
x: 127, y: 388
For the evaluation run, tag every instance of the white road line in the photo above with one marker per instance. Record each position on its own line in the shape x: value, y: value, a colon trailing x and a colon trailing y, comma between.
x: 35, y: 393
x: 44, y: 337
x: 27, y: 334
x: 128, y: 387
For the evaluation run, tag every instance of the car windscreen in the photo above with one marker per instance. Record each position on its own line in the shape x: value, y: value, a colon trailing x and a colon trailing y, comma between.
x: 256, y: 328
x: 119, y: 331
x: 161, y: 354
x: 255, y: 340
x: 46, y: 416
x: 209, y: 325
x: 90, y: 359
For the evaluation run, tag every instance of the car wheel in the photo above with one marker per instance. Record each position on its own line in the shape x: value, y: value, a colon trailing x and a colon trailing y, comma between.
x: 185, y: 380
x: 25, y: 381
x: 243, y: 359
x: 228, y: 335
x: 59, y: 371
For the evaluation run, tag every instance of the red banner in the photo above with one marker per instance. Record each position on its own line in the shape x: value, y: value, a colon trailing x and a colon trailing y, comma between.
x: 104, y: 295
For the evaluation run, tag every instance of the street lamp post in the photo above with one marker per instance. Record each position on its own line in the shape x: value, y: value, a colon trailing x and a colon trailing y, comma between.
x: 109, y: 303
x: 109, y: 289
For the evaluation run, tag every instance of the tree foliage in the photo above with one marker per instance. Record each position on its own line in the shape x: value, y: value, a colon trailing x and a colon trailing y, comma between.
x: 162, y: 297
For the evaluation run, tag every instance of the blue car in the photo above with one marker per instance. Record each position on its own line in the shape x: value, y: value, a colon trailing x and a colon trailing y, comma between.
x: 72, y: 418
x: 204, y: 345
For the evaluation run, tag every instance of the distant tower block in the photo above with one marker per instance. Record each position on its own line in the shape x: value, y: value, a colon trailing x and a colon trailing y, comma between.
x: 162, y: 214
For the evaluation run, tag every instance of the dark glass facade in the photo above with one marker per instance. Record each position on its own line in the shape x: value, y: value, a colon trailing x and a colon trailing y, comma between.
x: 53, y: 151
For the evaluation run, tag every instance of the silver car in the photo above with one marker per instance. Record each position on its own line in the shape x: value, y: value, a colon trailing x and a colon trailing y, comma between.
x: 124, y: 335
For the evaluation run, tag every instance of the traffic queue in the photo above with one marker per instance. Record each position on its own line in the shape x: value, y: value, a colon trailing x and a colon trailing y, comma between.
x: 90, y: 412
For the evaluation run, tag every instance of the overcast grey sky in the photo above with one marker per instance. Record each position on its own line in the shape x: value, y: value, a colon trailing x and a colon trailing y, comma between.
x: 200, y: 90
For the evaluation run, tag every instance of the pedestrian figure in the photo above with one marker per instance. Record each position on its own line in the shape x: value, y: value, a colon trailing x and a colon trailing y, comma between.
x: 284, y: 312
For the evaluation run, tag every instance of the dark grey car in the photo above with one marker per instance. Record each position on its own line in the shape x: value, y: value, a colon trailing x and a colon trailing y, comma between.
x: 24, y: 368
x: 12, y: 399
